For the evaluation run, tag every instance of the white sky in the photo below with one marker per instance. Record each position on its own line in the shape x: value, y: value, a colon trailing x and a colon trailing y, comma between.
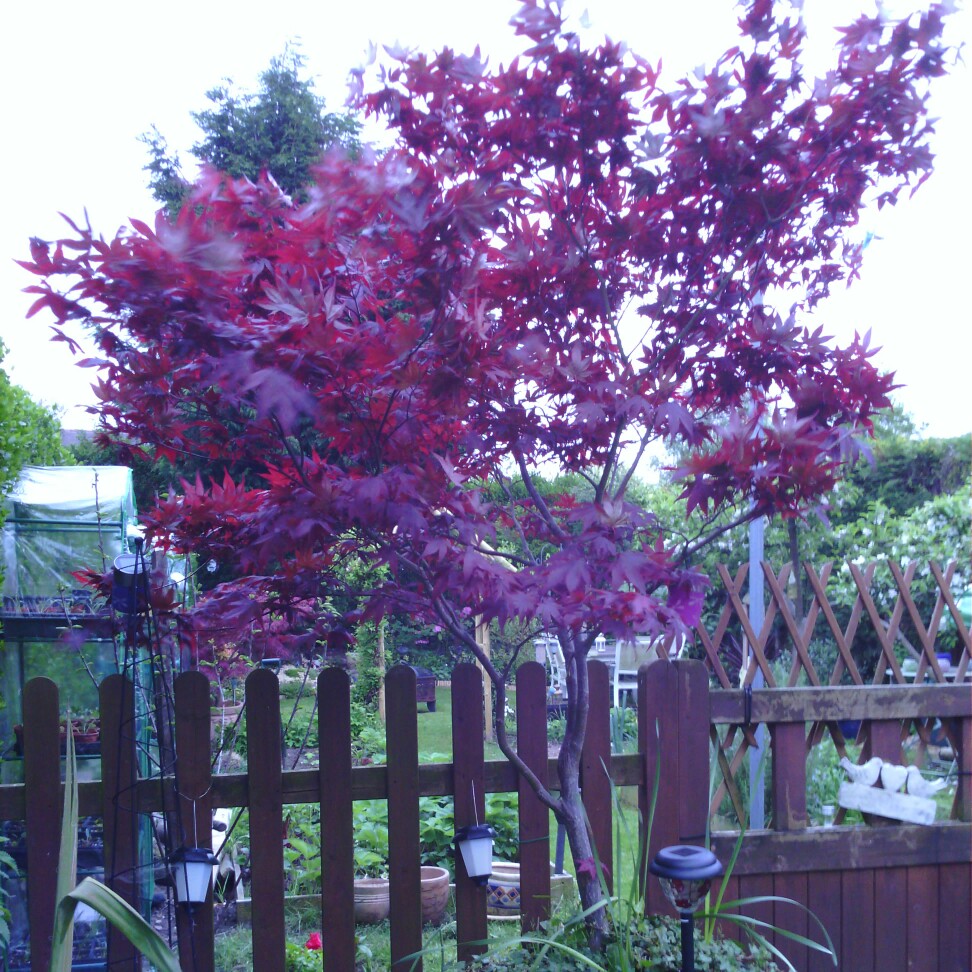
x: 81, y: 81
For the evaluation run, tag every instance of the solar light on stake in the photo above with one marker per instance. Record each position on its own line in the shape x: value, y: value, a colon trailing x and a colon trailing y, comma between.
x: 685, y: 873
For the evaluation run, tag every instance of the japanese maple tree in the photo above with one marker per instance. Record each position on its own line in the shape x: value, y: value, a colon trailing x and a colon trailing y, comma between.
x: 560, y: 262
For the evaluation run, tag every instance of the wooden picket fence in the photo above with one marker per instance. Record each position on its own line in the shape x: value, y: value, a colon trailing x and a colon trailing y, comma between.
x: 894, y: 897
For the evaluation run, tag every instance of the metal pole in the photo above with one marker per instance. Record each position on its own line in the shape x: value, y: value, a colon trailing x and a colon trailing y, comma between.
x: 688, y: 941
x: 757, y: 783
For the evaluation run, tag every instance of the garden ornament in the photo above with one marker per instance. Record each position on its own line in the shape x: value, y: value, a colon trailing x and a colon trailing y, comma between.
x: 919, y: 786
x: 866, y: 774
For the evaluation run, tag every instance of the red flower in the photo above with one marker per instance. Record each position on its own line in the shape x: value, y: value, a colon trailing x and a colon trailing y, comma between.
x: 314, y: 942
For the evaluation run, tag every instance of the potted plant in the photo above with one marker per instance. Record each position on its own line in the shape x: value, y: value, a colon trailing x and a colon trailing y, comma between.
x: 371, y: 902
x: 435, y: 894
x: 503, y: 889
x: 85, y: 729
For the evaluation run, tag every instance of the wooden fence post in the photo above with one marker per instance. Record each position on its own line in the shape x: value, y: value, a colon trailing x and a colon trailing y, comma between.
x: 469, y: 783
x: 789, y: 795
x: 121, y: 820
x: 531, y: 744
x: 337, y: 819
x: 404, y: 875
x: 43, y: 806
x: 673, y: 739
x: 266, y: 818
x: 194, y: 810
x: 596, y: 768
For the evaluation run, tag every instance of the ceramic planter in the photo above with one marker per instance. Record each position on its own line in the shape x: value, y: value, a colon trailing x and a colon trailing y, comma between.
x: 223, y: 715
x: 370, y: 900
x: 435, y: 894
x: 503, y: 890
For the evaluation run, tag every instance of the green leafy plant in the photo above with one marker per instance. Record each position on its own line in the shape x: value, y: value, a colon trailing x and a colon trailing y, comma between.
x: 756, y: 929
x: 93, y: 893
x: 556, y: 728
x: 624, y: 728
x: 301, y: 958
x: 8, y: 870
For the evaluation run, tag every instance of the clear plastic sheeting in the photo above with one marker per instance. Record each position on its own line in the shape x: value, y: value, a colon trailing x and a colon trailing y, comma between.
x: 61, y: 519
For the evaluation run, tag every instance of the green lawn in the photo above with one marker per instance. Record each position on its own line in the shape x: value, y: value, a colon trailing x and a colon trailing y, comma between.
x: 435, y: 728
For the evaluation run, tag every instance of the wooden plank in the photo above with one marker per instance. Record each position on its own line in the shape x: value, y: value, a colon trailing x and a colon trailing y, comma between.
x: 843, y: 702
x: 303, y: 786
x: 753, y: 886
x: 531, y: 742
x: 955, y: 916
x: 891, y: 919
x: 596, y: 768
x: 883, y: 738
x: 44, y: 806
x: 121, y: 822
x: 922, y: 919
x: 791, y: 918
x: 658, y: 745
x: 884, y: 803
x: 193, y: 810
x: 857, y: 920
x: 337, y: 819
x: 404, y: 875
x: 692, y: 702
x: 963, y: 794
x: 728, y: 929
x: 263, y: 743
x: 468, y: 734
x: 836, y: 848
x: 823, y: 899
x: 789, y: 782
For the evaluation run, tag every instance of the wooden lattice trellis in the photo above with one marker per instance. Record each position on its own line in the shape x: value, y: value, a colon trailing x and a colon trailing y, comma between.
x: 732, y: 744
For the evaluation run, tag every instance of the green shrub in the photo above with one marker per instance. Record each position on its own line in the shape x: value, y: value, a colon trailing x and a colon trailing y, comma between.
x: 652, y: 943
x: 297, y: 689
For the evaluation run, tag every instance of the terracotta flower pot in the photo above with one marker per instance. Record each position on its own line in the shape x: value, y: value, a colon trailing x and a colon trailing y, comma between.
x: 435, y: 894
x: 223, y: 715
x: 370, y: 900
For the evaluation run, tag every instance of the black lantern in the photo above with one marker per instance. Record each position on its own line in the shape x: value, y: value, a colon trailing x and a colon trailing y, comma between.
x: 475, y: 843
x: 129, y: 583
x: 192, y: 872
x: 685, y: 873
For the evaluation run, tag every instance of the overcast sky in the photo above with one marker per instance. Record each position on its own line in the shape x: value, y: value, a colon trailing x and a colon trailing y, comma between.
x: 81, y: 82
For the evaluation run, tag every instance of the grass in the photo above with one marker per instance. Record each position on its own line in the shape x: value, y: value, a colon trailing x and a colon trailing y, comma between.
x: 435, y: 728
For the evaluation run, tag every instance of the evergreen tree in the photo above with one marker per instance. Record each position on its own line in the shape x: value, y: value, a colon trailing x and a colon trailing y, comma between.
x: 283, y: 128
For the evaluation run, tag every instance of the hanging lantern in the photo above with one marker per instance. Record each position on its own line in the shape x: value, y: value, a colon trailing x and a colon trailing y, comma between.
x: 192, y: 871
x: 475, y: 843
x: 129, y: 584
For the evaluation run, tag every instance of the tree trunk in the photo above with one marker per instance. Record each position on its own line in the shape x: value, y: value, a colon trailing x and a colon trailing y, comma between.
x: 572, y: 812
x: 589, y: 886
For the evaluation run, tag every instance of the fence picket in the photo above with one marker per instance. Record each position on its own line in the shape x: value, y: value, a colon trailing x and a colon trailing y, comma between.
x: 531, y: 741
x: 337, y: 820
x: 194, y: 810
x: 43, y: 805
x: 118, y: 774
x: 469, y: 782
x: 789, y: 776
x: 404, y: 875
x: 263, y: 742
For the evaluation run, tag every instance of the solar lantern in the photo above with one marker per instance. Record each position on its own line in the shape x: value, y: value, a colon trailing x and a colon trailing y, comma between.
x: 685, y: 873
